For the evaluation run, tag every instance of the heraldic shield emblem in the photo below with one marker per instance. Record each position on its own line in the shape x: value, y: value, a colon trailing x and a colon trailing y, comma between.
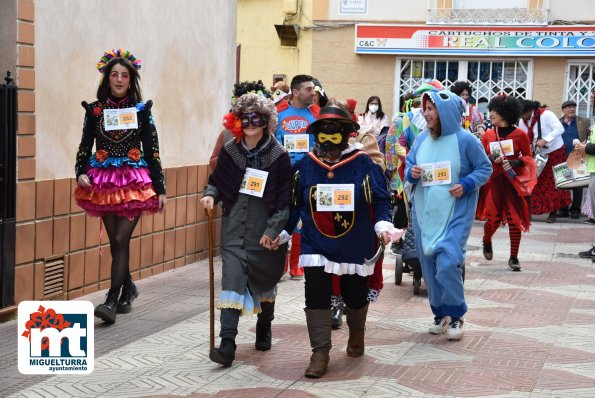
x: 332, y: 224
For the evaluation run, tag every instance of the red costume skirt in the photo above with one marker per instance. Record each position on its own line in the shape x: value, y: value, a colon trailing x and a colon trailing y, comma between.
x: 498, y: 199
x: 545, y: 197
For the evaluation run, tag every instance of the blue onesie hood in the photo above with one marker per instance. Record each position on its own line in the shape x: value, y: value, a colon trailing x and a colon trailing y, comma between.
x: 450, y: 109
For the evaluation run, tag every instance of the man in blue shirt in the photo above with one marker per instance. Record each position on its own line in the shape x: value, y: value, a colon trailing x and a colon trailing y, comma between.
x: 575, y: 128
x: 295, y: 116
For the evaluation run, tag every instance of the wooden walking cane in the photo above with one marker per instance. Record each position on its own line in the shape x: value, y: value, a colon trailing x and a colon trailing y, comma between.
x: 211, y: 280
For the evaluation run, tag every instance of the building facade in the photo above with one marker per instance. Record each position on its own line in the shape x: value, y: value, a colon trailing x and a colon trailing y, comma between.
x: 536, y: 49
x: 275, y: 39
x: 51, y: 47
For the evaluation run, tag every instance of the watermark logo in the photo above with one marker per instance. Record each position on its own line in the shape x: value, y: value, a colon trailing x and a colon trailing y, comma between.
x: 56, y: 337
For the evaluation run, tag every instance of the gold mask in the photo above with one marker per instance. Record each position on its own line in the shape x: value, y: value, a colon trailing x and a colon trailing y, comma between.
x: 335, y: 138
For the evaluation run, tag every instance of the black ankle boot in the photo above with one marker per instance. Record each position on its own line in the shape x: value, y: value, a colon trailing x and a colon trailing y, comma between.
x: 107, y: 310
x: 488, y: 251
x: 263, y: 327
x: 225, y: 354
x: 129, y: 293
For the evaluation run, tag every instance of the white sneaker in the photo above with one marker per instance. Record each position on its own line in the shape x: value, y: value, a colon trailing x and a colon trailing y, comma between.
x: 456, y: 329
x: 285, y: 277
x: 440, y: 324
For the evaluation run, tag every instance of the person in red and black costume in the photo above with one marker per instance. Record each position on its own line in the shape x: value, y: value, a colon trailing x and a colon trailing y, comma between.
x: 123, y: 179
x: 499, y: 202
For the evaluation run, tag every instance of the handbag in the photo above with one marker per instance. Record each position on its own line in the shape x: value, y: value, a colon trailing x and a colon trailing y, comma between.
x: 526, y: 175
x: 540, y: 157
x: 540, y: 161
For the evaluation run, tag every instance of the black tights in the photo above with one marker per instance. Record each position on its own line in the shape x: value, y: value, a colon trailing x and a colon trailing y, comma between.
x: 354, y: 289
x: 119, y: 230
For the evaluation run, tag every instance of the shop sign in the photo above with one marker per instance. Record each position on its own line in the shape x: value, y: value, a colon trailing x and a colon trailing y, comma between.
x: 496, y: 41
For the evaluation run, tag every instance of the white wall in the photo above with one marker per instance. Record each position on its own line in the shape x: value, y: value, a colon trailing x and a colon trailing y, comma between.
x: 8, y: 39
x: 188, y: 53
x: 574, y: 10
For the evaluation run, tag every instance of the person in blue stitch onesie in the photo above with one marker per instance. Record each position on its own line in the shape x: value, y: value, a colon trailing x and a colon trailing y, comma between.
x: 447, y: 165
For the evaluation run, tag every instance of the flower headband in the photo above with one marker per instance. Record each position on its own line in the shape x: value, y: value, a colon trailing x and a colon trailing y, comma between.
x: 119, y: 53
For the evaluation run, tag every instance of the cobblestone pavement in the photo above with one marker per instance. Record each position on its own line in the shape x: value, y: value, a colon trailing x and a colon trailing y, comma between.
x: 529, y: 334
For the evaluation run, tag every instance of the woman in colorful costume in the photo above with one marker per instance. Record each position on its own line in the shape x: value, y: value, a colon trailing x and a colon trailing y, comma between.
x: 252, y: 179
x: 119, y: 182
x: 545, y: 134
x: 500, y: 203
x: 341, y: 197
x: 448, y: 166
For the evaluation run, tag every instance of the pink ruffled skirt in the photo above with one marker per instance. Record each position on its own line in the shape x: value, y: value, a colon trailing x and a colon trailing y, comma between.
x: 125, y: 191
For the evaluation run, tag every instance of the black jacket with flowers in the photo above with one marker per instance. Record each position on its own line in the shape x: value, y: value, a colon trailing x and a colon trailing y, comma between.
x: 121, y: 143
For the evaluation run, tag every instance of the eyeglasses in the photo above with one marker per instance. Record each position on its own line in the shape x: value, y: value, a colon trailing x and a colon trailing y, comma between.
x: 253, y: 118
x: 122, y: 75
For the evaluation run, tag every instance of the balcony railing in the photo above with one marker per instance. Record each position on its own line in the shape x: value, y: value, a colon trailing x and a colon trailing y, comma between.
x: 488, y: 12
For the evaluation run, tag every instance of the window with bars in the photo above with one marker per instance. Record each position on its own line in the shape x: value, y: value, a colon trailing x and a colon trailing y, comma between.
x: 487, y: 78
x: 414, y: 72
x: 580, y: 87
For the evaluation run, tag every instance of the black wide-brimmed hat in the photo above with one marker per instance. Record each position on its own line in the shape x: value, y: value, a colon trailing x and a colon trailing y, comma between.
x: 332, y: 113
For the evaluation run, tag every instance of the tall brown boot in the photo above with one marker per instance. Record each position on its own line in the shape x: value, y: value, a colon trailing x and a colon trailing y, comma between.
x: 356, y: 320
x: 319, y: 330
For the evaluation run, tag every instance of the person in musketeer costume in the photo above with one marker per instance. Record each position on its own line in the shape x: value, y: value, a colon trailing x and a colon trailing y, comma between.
x: 341, y: 197
x: 119, y: 182
x: 252, y: 179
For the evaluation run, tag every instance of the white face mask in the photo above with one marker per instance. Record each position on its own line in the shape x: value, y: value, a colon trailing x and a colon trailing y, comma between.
x: 373, y: 108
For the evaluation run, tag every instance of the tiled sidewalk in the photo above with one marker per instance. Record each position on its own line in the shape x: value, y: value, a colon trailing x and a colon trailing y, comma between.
x: 529, y: 334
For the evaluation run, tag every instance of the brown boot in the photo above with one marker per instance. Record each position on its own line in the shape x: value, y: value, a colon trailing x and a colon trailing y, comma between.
x: 319, y: 330
x: 356, y: 320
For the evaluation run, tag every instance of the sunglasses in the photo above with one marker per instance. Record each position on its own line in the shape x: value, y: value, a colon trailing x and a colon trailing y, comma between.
x: 123, y: 75
x: 253, y: 118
